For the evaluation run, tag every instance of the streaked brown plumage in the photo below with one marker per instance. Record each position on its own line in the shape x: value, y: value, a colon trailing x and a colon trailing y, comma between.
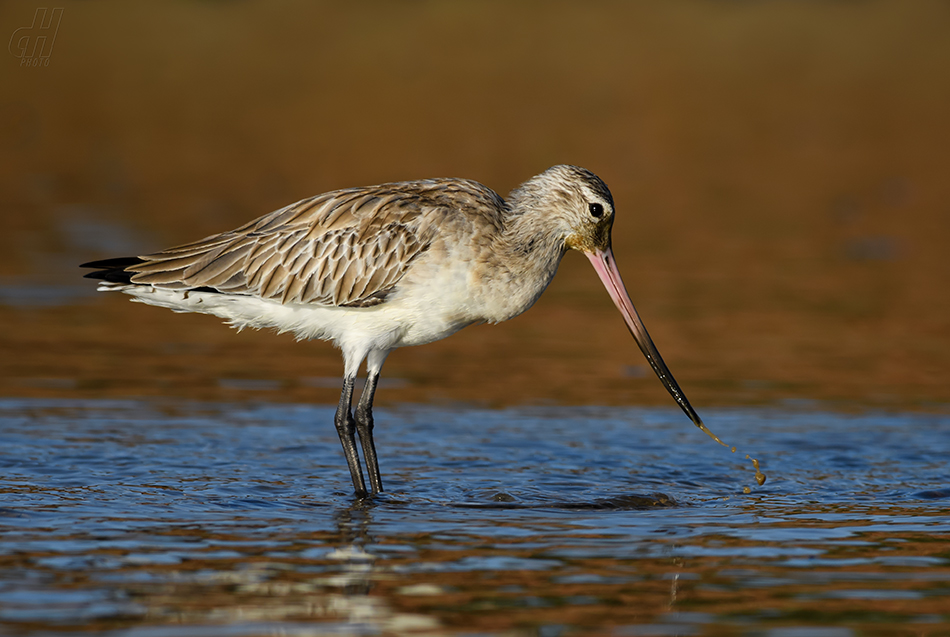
x: 343, y: 248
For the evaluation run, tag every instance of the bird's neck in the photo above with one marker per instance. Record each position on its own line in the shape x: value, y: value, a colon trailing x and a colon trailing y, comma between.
x: 528, y: 242
x: 522, y: 262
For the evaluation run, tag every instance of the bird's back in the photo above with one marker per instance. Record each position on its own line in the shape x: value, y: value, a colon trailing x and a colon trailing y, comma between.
x: 345, y: 248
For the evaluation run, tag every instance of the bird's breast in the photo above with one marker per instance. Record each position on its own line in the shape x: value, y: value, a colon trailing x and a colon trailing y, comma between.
x: 459, y: 281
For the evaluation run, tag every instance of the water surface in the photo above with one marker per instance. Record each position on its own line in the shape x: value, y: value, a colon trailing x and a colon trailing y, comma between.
x: 156, y: 518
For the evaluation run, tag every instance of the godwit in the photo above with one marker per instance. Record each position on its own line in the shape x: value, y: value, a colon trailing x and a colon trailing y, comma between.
x: 376, y: 268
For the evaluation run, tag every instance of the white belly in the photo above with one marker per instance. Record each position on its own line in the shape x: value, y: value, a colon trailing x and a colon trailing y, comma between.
x: 417, y: 315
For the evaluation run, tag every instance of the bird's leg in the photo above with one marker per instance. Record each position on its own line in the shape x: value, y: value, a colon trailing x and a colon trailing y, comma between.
x: 346, y: 427
x: 364, y: 426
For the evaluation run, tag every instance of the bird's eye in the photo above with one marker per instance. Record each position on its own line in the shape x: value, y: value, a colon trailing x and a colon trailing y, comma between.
x: 596, y: 209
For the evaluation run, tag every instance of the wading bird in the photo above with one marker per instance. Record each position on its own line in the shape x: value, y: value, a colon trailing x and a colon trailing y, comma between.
x: 376, y: 268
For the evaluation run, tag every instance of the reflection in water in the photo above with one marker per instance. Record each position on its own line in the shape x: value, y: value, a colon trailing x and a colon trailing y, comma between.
x: 144, y: 518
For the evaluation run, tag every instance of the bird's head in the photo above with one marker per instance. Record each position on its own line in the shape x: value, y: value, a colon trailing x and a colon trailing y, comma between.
x: 575, y: 203
x: 578, y: 206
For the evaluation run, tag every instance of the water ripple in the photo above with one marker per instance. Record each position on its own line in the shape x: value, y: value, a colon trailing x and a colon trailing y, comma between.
x: 157, y: 518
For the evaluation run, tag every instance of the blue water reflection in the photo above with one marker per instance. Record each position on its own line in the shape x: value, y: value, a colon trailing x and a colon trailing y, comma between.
x: 124, y: 511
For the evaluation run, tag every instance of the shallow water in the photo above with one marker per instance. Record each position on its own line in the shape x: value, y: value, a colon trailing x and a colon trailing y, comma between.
x: 150, y: 518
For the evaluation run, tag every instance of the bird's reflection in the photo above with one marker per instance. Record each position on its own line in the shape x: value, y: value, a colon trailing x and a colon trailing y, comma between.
x: 349, y: 547
x: 353, y: 521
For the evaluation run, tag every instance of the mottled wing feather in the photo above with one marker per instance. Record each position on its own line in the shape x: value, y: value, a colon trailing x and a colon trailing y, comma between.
x: 344, y: 248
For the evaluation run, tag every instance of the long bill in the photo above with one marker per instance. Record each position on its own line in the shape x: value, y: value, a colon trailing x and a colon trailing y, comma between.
x: 606, y: 268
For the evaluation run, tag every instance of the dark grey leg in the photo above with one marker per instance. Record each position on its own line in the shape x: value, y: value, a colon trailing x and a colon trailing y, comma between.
x: 364, y: 427
x: 346, y: 427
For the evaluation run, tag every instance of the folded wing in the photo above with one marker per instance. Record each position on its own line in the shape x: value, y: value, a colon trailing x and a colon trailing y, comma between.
x: 345, y: 248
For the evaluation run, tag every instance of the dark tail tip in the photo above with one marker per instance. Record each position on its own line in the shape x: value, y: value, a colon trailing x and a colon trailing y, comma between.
x: 112, y: 270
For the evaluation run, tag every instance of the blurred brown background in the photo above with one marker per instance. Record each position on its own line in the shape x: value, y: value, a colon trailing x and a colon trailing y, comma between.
x: 780, y: 171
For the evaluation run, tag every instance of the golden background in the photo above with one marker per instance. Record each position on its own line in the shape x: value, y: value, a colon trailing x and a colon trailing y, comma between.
x: 780, y: 171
